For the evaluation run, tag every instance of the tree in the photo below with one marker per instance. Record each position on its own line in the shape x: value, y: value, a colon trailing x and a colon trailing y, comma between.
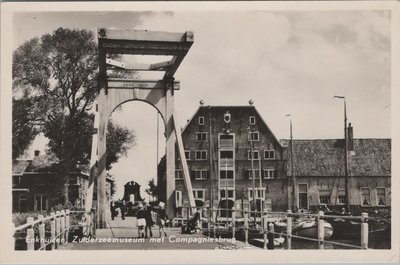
x: 119, y: 141
x: 56, y: 71
x: 153, y: 190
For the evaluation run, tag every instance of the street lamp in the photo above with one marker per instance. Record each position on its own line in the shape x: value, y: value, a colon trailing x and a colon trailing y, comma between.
x: 295, y: 205
x: 346, y: 175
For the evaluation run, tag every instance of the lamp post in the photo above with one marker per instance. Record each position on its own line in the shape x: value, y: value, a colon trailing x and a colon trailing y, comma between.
x: 295, y: 205
x: 346, y: 174
x: 251, y: 130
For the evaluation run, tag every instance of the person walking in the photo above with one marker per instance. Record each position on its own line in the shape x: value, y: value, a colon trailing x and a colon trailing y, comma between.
x: 149, y: 220
x: 161, y: 219
x: 141, y: 220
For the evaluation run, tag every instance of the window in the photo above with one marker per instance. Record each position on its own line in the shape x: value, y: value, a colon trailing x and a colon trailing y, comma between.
x: 226, y: 174
x: 23, y: 203
x: 269, y: 173
x: 341, y: 197
x: 255, y: 155
x: 187, y: 154
x: 303, y: 196
x: 254, y: 136
x: 178, y: 174
x: 226, y: 154
x: 260, y: 193
x: 252, y: 120
x: 250, y: 173
x: 226, y: 141
x: 224, y: 195
x: 381, y: 196
x: 40, y: 202
x: 201, y: 136
x: 178, y: 198
x: 201, y: 155
x: 201, y: 120
x: 365, y: 197
x: 200, y: 174
x: 199, y: 194
x: 16, y: 180
x: 269, y: 153
x: 324, y: 197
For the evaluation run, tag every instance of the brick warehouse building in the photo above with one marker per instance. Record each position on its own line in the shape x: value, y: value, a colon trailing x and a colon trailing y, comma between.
x: 229, y: 182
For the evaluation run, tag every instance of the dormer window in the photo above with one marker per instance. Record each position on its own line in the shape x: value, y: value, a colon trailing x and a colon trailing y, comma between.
x: 252, y: 120
x: 201, y: 120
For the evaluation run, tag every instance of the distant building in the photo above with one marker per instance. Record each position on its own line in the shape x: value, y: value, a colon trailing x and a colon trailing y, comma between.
x: 235, y: 130
x: 319, y: 170
x: 36, y: 185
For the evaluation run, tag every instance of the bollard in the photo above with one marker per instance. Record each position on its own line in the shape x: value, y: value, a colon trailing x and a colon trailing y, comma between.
x: 246, y: 227
x: 270, y: 236
x: 187, y: 216
x: 42, y: 233
x: 62, y: 225
x: 214, y: 216
x: 364, y: 230
x: 67, y: 225
x: 53, y: 231
x: 58, y: 228
x: 30, y: 236
x: 321, y: 230
x: 289, y: 229
x: 200, y: 219
x: 265, y: 228
x: 233, y: 223
x: 209, y: 222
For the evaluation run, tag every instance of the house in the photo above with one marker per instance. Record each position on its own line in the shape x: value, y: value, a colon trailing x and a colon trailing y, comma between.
x: 223, y: 171
x: 36, y: 185
x: 319, y: 171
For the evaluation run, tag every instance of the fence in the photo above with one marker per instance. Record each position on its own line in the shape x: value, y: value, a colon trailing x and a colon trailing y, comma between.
x: 60, y: 225
x: 263, y: 224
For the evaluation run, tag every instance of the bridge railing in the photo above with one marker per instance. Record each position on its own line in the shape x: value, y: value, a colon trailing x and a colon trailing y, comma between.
x: 60, y: 225
x: 263, y: 223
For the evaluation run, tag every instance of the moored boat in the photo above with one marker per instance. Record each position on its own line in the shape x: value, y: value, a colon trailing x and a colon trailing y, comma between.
x: 309, y: 228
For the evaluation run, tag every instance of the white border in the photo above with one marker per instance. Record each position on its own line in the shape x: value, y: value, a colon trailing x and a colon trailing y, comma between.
x: 7, y: 255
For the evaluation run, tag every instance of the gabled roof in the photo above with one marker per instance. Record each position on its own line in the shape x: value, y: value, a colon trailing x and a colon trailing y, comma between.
x: 371, y: 157
x: 19, y: 167
x: 42, y: 164
x: 245, y: 107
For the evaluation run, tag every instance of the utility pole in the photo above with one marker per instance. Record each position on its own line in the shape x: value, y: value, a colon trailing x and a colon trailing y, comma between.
x: 210, y: 159
x: 346, y: 172
x: 252, y: 172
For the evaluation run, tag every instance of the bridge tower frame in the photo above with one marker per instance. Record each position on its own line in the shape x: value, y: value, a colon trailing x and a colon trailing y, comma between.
x: 159, y: 93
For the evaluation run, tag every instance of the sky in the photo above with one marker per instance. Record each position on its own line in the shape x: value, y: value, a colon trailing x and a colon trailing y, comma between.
x: 287, y: 62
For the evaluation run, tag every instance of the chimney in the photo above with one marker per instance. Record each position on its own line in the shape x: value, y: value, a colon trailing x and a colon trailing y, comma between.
x: 350, y: 137
x: 37, y: 152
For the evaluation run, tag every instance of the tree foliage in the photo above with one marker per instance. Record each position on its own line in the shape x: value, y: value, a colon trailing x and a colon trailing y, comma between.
x: 119, y: 141
x: 153, y: 190
x: 25, y: 124
x: 53, y: 93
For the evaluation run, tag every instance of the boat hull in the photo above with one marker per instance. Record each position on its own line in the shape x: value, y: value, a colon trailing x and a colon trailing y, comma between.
x: 310, y: 230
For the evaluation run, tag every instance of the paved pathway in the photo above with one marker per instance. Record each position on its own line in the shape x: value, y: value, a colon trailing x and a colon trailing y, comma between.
x: 123, y: 234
